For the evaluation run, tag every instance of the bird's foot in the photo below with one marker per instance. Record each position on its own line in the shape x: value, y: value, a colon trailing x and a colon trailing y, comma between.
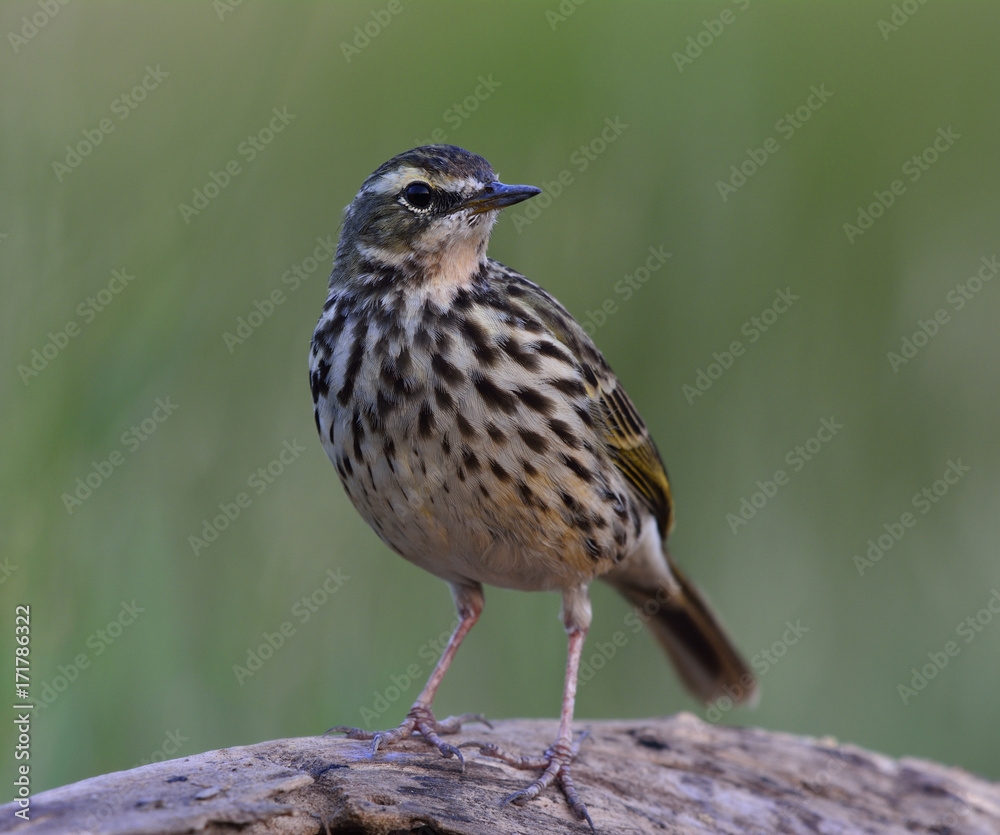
x: 556, y: 764
x: 420, y: 720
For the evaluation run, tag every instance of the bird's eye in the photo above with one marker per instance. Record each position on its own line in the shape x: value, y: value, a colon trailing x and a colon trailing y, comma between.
x: 418, y: 195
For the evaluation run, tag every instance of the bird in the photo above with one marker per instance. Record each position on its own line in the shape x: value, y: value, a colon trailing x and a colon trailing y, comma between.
x: 479, y: 431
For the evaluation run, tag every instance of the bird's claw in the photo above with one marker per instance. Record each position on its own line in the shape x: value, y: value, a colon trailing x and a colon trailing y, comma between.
x: 556, y: 764
x: 419, y: 720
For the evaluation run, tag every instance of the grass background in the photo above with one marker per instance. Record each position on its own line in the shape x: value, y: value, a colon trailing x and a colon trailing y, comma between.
x: 555, y: 78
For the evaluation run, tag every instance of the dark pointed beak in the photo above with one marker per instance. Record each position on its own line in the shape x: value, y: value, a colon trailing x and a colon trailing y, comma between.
x: 498, y: 196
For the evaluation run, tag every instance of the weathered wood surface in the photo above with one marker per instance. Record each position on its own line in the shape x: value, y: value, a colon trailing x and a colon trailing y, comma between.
x: 673, y: 775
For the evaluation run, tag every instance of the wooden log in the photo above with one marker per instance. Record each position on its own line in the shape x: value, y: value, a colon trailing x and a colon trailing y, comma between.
x: 671, y: 775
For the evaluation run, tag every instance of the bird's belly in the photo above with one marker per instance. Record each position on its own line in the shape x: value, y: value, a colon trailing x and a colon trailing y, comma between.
x: 443, y: 512
x: 463, y: 495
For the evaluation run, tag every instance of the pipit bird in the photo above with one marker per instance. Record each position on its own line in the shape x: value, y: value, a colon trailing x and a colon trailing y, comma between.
x: 480, y: 432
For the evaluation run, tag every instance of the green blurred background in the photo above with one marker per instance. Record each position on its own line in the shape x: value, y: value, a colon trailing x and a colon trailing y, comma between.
x: 526, y: 86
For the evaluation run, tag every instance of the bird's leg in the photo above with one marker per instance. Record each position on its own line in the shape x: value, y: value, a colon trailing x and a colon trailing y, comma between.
x: 556, y: 760
x: 469, y: 603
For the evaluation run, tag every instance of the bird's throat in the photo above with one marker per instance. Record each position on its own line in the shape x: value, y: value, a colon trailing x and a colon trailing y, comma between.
x: 436, y: 267
x: 449, y: 269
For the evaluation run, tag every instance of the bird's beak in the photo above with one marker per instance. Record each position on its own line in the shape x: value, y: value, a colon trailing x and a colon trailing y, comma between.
x: 498, y: 196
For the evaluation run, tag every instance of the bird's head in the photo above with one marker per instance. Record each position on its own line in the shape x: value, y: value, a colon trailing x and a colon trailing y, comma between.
x: 428, y: 211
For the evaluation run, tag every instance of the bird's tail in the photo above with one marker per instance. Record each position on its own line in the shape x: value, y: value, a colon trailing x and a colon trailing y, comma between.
x: 682, y: 621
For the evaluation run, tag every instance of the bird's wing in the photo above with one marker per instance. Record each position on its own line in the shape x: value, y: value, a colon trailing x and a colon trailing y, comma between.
x: 632, y: 449
x: 625, y: 436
